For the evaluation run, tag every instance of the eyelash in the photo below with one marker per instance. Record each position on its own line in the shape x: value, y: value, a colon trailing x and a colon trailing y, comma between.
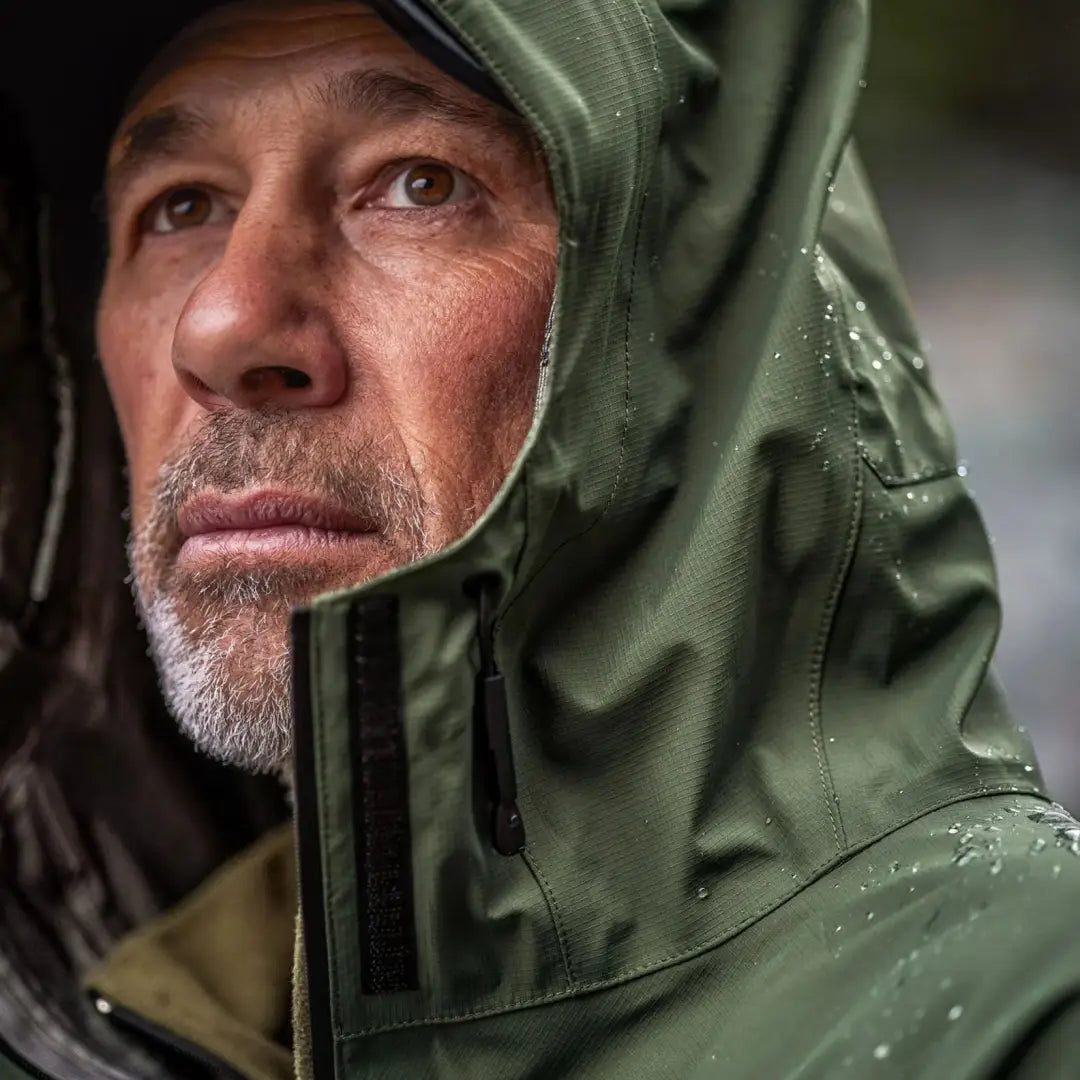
x: 385, y: 180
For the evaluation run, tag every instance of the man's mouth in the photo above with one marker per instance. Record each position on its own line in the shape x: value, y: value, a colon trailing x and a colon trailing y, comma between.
x: 266, y: 528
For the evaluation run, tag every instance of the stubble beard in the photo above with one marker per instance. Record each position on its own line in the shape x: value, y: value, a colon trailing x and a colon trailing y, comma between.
x: 220, y: 637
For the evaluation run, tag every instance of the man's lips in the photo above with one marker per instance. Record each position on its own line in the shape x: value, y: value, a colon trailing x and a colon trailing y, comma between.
x: 270, y: 525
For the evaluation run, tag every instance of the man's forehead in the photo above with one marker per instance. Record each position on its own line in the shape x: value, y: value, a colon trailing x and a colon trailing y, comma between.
x: 275, y: 32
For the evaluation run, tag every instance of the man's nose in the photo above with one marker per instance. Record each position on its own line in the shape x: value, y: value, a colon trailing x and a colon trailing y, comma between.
x: 254, y: 333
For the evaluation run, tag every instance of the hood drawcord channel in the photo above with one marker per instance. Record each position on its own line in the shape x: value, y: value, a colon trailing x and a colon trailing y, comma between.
x: 508, y: 829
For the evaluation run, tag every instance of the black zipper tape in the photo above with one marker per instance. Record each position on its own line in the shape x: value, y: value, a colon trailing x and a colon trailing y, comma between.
x: 312, y: 910
x: 380, y: 800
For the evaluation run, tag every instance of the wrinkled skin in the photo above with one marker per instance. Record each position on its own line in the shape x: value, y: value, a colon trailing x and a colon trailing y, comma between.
x: 314, y: 288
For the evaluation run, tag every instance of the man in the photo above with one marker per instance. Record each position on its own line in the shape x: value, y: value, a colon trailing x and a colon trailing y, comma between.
x: 532, y: 464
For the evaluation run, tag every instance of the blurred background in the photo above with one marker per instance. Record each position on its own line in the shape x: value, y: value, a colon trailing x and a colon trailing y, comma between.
x: 970, y: 130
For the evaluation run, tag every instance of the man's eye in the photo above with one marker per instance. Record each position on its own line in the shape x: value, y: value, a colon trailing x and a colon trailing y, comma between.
x: 184, y: 208
x: 429, y: 184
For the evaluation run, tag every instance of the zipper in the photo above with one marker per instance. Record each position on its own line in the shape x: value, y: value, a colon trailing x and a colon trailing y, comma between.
x: 507, y: 826
x: 309, y: 855
x: 155, y: 1033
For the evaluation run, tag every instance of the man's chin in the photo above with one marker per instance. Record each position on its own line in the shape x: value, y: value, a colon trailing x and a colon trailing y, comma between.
x: 225, y: 672
x: 221, y: 643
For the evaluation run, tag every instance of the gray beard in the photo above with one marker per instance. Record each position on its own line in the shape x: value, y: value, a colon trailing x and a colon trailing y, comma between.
x: 234, y: 701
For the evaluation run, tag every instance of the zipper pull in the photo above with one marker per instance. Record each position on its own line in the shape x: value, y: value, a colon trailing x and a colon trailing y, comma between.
x: 508, y: 829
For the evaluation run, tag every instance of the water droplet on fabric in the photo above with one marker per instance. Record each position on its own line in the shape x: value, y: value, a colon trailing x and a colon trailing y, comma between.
x: 876, y: 365
x: 768, y: 821
x: 964, y: 855
x: 1065, y: 826
x: 703, y: 893
x: 618, y: 112
x: 860, y: 305
x: 804, y: 251
x: 1037, y: 845
x: 869, y: 916
x: 961, y: 469
x: 956, y: 1012
x: 854, y: 335
x: 894, y: 867
x: 881, y: 1051
x: 918, y: 363
x: 995, y: 867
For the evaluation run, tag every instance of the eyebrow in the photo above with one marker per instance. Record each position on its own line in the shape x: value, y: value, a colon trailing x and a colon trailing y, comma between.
x: 169, y: 131
x: 153, y: 138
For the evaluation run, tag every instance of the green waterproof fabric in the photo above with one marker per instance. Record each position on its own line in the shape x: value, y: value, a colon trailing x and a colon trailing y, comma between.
x: 746, y: 612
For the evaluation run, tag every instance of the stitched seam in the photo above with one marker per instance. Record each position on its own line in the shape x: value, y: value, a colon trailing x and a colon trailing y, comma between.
x: 640, y: 210
x: 698, y: 950
x: 817, y: 668
x: 890, y: 480
x: 556, y: 915
x: 626, y: 364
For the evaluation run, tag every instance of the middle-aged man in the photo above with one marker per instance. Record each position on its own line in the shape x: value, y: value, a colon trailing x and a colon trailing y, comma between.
x: 531, y: 461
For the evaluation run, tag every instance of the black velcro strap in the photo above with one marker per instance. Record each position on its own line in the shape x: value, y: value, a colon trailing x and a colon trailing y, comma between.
x: 380, y: 788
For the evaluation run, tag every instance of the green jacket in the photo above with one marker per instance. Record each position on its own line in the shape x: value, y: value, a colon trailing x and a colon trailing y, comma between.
x: 686, y: 762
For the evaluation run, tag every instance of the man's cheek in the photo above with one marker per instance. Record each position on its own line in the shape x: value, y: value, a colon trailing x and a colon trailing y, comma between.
x: 135, y: 355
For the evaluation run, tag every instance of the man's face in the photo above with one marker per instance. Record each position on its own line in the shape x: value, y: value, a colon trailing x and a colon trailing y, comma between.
x: 330, y: 268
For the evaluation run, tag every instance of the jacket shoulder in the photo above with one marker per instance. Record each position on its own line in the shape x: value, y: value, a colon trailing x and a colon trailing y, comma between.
x: 976, y: 911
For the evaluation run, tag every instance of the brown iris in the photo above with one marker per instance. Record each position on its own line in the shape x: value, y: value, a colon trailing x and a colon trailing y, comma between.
x: 429, y: 184
x: 186, y: 207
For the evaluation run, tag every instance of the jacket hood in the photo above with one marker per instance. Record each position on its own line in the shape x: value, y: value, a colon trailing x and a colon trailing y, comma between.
x: 742, y: 603
x: 745, y: 604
